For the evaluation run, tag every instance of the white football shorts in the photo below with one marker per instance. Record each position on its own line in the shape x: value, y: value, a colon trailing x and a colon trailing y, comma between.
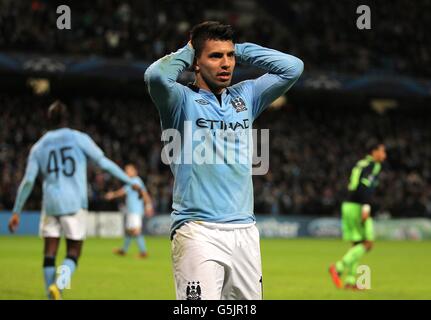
x: 73, y: 226
x: 133, y: 221
x: 213, y: 261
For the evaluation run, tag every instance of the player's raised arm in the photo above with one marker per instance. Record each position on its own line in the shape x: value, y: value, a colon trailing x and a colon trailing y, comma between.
x: 111, y: 195
x: 161, y: 78
x: 92, y: 151
x: 283, y: 70
x: 24, y: 189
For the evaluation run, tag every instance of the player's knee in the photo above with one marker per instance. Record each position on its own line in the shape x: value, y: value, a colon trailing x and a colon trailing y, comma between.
x: 74, y: 258
x: 50, y: 252
x: 48, y: 261
x: 368, y: 245
x: 133, y: 232
x: 73, y: 254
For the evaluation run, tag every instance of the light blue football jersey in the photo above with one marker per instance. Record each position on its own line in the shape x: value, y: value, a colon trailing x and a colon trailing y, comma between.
x: 60, y: 157
x: 213, y: 192
x: 135, y: 204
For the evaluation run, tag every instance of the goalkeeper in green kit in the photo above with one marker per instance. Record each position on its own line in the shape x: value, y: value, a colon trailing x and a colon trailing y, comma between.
x: 357, y: 224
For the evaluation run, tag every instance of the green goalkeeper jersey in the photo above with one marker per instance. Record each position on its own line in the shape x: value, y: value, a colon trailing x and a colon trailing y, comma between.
x: 363, y: 180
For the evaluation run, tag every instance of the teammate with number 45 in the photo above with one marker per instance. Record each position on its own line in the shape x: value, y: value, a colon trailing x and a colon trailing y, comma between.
x: 60, y: 156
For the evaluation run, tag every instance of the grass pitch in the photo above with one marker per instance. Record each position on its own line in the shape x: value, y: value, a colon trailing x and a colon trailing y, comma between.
x: 292, y: 269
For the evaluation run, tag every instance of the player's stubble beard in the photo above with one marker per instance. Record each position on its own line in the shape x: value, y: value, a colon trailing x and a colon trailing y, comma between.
x: 216, y: 86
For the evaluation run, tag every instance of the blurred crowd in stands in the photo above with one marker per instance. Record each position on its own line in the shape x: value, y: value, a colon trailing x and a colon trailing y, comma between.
x: 312, y: 151
x: 323, y: 33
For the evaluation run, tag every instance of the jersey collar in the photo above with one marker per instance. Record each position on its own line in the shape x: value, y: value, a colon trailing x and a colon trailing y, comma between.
x: 198, y: 90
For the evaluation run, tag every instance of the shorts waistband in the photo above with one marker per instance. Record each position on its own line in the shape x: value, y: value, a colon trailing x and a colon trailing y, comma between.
x: 224, y: 226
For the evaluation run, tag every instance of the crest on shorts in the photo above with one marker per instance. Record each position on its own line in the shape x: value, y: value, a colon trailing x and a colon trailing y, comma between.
x: 193, y: 290
x: 238, y: 104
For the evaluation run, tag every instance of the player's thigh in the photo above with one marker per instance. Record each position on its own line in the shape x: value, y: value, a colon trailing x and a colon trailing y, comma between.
x: 246, y: 275
x: 351, y: 221
x: 133, y: 221
x: 74, y: 225
x: 198, y: 269
x: 50, y: 246
x: 203, y: 281
x: 49, y: 226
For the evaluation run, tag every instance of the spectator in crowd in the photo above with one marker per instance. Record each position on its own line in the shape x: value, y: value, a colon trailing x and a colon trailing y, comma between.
x: 325, y: 34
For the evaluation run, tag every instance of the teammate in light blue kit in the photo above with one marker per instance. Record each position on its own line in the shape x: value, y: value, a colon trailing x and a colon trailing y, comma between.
x: 215, y: 244
x: 136, y: 207
x: 60, y: 157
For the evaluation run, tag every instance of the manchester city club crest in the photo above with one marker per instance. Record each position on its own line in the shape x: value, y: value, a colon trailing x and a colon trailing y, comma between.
x: 193, y: 291
x: 238, y: 104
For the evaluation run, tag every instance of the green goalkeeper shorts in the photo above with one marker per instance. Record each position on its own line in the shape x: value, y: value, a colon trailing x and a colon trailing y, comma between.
x: 351, y: 223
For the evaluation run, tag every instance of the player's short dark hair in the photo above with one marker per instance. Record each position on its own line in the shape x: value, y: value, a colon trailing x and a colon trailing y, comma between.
x: 57, y: 114
x: 209, y: 30
x: 373, y: 145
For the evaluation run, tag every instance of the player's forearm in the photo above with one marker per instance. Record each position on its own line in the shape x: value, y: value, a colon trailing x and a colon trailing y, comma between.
x: 282, y: 64
x: 365, y: 211
x: 163, y: 73
x: 149, y: 208
x: 24, y: 191
x: 147, y: 199
x: 114, y: 170
x: 118, y: 194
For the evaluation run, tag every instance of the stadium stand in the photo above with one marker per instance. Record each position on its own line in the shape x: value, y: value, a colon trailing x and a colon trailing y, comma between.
x: 312, y: 150
x: 324, y: 36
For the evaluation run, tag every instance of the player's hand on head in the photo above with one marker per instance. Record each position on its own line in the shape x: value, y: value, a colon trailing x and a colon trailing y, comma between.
x: 190, y: 44
x: 13, y: 222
